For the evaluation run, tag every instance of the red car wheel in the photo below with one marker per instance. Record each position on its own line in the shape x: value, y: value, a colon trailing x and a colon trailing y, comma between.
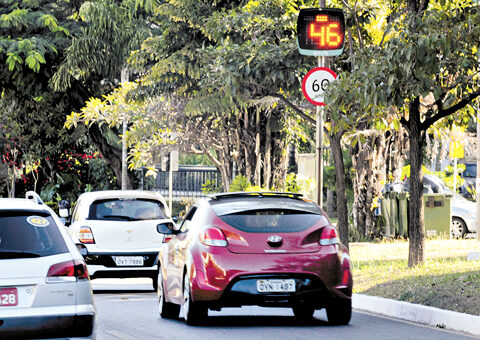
x: 166, y: 309
x: 193, y: 313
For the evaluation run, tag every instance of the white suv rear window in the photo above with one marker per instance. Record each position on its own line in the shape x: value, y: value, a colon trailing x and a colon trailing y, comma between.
x: 29, y: 234
x: 126, y: 210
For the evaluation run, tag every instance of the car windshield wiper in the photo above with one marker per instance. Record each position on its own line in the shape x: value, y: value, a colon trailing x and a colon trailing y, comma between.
x: 12, y: 254
x: 121, y: 217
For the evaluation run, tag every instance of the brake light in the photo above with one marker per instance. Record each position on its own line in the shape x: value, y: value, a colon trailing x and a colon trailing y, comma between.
x: 85, y: 235
x: 213, y: 236
x: 329, y: 236
x: 346, y: 277
x: 70, y: 269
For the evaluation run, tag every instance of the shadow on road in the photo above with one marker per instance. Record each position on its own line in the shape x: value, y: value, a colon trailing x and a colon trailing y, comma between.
x: 122, y: 291
x: 260, y: 320
x: 229, y: 321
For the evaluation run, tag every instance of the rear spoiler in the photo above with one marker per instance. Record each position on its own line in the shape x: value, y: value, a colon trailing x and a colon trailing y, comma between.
x: 255, y: 193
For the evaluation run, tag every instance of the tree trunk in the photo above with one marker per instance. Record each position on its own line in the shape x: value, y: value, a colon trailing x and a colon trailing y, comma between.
x: 11, y: 186
x: 279, y: 160
x: 267, y: 168
x: 381, y: 156
x: 226, y: 160
x: 248, y: 163
x: 359, y: 184
x: 258, y: 163
x: 416, y: 223
x: 342, y: 208
x: 112, y: 155
x: 331, y: 203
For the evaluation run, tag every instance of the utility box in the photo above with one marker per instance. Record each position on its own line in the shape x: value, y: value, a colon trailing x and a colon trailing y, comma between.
x: 438, y: 214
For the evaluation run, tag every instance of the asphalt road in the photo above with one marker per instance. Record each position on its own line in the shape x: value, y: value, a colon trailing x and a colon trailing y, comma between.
x: 127, y: 310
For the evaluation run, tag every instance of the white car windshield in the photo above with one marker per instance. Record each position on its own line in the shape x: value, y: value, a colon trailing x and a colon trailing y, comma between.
x: 127, y: 210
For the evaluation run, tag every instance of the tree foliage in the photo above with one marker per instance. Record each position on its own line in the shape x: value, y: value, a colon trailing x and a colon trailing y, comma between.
x: 425, y: 71
x: 236, y: 72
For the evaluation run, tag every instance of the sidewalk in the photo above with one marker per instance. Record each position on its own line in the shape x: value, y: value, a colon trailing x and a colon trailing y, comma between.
x: 430, y: 316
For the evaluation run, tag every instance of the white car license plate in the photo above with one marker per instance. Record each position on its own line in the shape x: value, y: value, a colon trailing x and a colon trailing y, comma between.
x: 275, y: 286
x: 128, y: 260
x: 8, y: 297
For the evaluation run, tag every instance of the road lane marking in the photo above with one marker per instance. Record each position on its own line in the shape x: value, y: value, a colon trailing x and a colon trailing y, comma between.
x: 120, y: 335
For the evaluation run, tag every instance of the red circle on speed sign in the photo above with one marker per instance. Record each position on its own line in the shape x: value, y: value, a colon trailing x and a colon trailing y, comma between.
x: 314, y: 84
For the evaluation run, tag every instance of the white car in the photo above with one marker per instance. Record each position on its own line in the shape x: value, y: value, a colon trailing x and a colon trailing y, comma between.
x: 118, y: 230
x: 464, y: 215
x: 45, y: 290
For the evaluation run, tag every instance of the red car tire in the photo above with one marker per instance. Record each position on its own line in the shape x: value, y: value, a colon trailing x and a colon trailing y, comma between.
x: 166, y: 309
x: 339, y: 311
x: 193, y: 313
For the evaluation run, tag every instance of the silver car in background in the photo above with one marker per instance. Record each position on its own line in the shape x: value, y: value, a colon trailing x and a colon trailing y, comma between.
x: 464, y: 215
x: 45, y: 289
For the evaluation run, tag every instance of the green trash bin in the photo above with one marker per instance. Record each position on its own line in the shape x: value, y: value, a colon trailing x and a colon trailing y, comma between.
x: 385, y: 211
x: 403, y: 198
x: 438, y: 214
x: 393, y: 214
x: 389, y: 212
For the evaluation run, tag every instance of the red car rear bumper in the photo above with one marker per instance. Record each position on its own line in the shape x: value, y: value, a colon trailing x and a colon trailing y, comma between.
x: 225, y: 279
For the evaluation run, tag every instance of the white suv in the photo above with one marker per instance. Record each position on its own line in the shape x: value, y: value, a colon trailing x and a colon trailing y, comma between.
x: 118, y: 229
x: 44, y: 285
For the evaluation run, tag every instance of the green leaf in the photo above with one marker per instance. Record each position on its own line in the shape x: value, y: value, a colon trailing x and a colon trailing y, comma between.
x: 396, y: 124
x: 391, y: 77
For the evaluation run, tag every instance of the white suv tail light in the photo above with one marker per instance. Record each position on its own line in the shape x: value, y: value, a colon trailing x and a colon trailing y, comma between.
x: 85, y: 235
x: 67, y: 271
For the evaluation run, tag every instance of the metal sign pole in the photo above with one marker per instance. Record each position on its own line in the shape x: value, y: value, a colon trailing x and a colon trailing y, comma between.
x: 320, y: 33
x: 477, y: 179
x: 319, y: 136
x: 319, y: 146
x: 170, y: 186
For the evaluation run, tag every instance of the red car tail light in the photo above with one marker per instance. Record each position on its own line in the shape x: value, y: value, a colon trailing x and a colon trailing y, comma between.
x: 67, y: 271
x: 346, y: 277
x: 213, y: 236
x: 167, y: 238
x: 85, y: 235
x: 329, y: 236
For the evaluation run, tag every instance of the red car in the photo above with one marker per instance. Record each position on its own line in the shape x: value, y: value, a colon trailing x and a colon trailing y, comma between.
x: 266, y: 249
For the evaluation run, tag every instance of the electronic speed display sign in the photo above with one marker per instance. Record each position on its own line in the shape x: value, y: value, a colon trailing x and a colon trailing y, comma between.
x: 321, y: 31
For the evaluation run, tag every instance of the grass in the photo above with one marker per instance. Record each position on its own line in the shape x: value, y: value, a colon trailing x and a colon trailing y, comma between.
x: 446, y: 280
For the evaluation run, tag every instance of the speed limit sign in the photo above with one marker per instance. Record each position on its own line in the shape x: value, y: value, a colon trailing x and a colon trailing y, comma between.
x: 315, y: 83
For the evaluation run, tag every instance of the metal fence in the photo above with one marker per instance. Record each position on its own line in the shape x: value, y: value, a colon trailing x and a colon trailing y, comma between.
x: 188, y: 182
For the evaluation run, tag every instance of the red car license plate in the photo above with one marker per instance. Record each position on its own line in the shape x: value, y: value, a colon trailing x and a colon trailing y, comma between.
x: 8, y: 297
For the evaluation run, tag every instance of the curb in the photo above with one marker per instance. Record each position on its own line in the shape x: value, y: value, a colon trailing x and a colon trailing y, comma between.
x: 425, y: 315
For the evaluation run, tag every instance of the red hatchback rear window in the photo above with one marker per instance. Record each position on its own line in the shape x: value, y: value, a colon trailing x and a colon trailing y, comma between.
x: 271, y: 220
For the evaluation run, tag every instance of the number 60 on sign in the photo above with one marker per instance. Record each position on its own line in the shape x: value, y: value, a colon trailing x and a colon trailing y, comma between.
x: 315, y: 83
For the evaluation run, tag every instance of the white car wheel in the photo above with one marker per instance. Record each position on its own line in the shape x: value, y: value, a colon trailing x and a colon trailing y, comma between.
x: 459, y: 228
